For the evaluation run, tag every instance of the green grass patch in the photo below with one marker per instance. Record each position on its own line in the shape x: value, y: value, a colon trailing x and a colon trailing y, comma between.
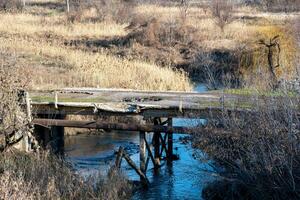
x: 251, y: 92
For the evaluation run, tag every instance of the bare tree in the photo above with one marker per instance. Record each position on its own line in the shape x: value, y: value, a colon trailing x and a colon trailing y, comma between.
x: 272, y: 46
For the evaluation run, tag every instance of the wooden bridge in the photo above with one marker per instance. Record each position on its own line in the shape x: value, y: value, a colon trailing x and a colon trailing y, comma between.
x: 145, y: 112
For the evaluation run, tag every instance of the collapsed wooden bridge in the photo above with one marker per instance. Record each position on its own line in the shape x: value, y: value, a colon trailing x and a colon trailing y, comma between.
x: 156, y: 111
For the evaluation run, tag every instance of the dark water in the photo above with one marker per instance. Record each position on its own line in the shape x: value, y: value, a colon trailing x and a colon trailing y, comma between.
x: 183, y: 179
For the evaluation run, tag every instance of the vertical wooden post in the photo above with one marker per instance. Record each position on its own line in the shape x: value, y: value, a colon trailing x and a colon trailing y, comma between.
x: 142, y: 151
x: 28, y: 106
x: 57, y: 136
x: 56, y: 100
x: 156, y: 144
x: 170, y: 141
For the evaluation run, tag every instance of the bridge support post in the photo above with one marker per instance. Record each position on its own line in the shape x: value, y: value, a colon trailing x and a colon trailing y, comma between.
x: 51, y: 137
x: 57, y: 137
x: 170, y: 141
x: 143, y: 151
x: 156, y: 144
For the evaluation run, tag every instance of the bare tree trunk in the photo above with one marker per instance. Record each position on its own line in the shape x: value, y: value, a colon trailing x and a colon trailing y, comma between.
x: 68, y: 5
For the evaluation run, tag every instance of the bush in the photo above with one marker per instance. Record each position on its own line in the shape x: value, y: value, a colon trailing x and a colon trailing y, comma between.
x: 13, y: 120
x: 120, y: 11
x: 259, y: 151
x: 11, y: 5
x: 281, y: 5
x: 222, y: 11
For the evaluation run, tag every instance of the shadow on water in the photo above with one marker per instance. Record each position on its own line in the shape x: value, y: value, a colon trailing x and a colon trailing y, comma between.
x: 183, y: 179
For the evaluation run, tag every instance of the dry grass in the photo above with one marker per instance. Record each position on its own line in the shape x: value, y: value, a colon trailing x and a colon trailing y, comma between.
x: 40, y: 40
x: 38, y: 35
x: 41, y: 46
x: 44, y: 176
x: 259, y: 151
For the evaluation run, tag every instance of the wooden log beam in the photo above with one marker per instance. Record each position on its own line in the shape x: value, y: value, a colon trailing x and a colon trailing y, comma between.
x: 143, y: 177
x: 93, y: 124
x: 163, y: 144
x: 150, y: 154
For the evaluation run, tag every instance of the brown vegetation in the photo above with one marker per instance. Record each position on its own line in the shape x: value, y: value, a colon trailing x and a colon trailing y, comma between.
x: 13, y: 120
x: 259, y: 151
x: 44, y: 176
x: 106, y: 36
x: 281, y: 5
x: 11, y: 5
x: 222, y: 11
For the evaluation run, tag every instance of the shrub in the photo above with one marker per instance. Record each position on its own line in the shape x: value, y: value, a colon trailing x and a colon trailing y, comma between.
x: 120, y: 11
x: 281, y: 5
x: 222, y: 11
x: 11, y: 5
x: 13, y: 121
x: 259, y: 150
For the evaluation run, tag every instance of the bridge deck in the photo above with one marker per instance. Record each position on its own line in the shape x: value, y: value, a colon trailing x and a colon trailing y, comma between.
x: 90, y: 101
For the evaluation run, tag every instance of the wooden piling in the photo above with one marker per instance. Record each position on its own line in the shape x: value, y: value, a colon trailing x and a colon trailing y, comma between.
x: 170, y: 140
x: 156, y: 141
x: 137, y: 170
x: 119, y: 158
x: 142, y: 151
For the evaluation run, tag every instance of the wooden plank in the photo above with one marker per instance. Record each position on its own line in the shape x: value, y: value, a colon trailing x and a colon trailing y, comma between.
x: 94, y: 124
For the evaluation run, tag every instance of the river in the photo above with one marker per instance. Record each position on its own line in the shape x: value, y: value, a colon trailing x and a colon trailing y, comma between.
x: 183, y: 179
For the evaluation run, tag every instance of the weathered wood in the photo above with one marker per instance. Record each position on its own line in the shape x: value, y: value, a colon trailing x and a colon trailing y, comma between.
x: 156, y: 144
x: 56, y: 100
x: 163, y: 144
x: 143, y: 177
x: 142, y: 151
x: 150, y: 155
x: 94, y: 124
x: 28, y: 107
x: 119, y: 157
x: 170, y: 140
x: 147, y: 162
